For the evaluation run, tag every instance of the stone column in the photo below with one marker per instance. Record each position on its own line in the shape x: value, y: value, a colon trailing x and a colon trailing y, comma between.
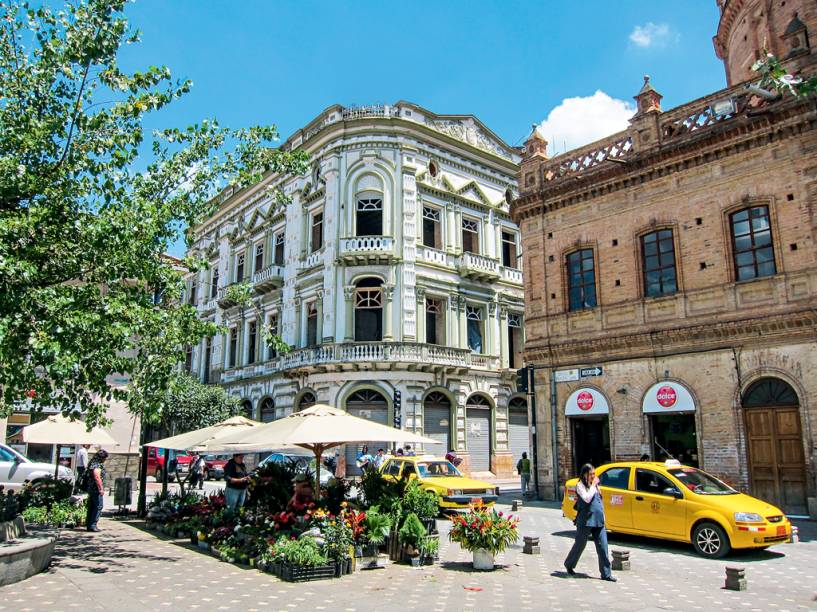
x: 319, y: 308
x: 296, y: 306
x: 450, y: 228
x: 462, y: 321
x: 349, y: 305
x: 491, y: 340
x: 504, y: 355
x: 388, y: 296
x: 421, y: 314
x: 458, y: 228
x: 452, y: 333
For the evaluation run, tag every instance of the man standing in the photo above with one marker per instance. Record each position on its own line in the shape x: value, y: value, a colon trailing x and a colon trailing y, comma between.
x: 236, y: 481
x: 379, y: 458
x: 82, y: 461
x: 95, y: 489
x: 523, y: 469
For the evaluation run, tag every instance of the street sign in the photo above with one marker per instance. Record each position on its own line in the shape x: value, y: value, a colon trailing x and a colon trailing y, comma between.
x: 566, y: 375
x: 588, y: 372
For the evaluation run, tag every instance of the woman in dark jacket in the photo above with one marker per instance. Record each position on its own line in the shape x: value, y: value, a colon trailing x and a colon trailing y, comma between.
x: 96, y: 489
x: 589, y: 523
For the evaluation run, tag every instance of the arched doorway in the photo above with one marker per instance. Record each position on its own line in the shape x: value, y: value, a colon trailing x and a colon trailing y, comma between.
x: 307, y: 400
x: 588, y: 413
x: 372, y: 406
x: 518, y: 430
x: 774, y: 440
x: 246, y: 409
x: 478, y: 436
x: 670, y: 408
x: 267, y: 410
x: 437, y: 420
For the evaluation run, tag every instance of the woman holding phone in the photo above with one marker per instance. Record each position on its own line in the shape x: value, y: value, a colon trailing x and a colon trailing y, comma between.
x: 589, y: 523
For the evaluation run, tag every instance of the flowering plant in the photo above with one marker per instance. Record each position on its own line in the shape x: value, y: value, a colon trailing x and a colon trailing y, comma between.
x: 484, y: 528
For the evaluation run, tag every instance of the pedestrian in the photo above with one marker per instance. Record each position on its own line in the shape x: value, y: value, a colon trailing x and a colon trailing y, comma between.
x: 364, y: 460
x: 198, y: 467
x: 379, y: 458
x: 82, y: 463
x: 95, y: 489
x: 409, y: 451
x: 523, y: 469
x: 398, y: 452
x: 589, y: 523
x: 236, y: 483
x: 452, y: 457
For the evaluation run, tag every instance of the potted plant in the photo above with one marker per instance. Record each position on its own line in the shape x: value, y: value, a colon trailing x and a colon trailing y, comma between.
x: 302, y: 560
x: 376, y: 529
x: 412, y: 534
x: 430, y: 549
x: 484, y: 532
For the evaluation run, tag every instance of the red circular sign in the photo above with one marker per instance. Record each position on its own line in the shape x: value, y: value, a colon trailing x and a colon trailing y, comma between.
x: 666, y: 396
x: 584, y: 400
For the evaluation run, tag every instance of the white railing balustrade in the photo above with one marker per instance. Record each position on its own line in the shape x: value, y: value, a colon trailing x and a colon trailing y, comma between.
x: 512, y: 275
x: 367, y: 244
x: 473, y: 261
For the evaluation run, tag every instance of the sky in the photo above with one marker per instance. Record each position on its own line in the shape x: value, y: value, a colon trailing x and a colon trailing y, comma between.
x: 572, y: 67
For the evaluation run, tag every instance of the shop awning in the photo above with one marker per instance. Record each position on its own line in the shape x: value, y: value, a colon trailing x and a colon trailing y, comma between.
x: 586, y: 401
x: 666, y: 397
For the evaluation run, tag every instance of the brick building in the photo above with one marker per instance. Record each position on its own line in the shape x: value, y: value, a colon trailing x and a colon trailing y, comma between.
x: 679, y: 256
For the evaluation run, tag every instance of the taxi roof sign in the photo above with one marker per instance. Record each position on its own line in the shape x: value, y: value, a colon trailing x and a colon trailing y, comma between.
x: 672, y: 463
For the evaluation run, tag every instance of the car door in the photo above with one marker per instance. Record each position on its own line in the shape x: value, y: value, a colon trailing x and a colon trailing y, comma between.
x: 7, y: 463
x: 614, y: 483
x: 655, y: 512
x: 391, y: 471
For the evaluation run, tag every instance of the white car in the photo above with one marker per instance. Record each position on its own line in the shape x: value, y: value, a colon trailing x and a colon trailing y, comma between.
x: 16, y: 469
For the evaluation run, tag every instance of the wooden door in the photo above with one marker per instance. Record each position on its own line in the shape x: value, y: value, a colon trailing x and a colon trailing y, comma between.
x: 777, y: 466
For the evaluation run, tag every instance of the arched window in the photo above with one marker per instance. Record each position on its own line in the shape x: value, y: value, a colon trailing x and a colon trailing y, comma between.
x: 769, y: 392
x: 267, y: 410
x: 307, y: 401
x: 369, y: 207
x: 478, y: 401
x: 369, y: 310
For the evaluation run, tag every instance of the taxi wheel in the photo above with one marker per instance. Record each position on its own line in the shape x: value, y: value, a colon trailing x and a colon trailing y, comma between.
x: 710, y: 540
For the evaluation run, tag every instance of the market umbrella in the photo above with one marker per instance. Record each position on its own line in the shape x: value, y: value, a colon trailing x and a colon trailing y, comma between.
x: 56, y: 429
x: 318, y: 429
x: 202, y: 439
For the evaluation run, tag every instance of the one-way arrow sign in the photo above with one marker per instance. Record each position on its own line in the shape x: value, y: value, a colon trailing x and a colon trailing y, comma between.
x: 588, y: 372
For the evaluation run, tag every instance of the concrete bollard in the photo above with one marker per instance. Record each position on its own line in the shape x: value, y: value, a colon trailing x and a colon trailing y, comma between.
x: 531, y: 546
x: 516, y: 505
x: 735, y: 579
x: 621, y: 560
x: 795, y: 535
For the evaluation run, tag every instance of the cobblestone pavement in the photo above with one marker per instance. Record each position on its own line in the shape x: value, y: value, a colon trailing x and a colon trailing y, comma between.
x: 126, y: 568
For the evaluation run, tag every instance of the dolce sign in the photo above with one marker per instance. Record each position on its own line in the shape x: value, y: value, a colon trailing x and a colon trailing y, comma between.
x: 668, y: 397
x: 586, y: 402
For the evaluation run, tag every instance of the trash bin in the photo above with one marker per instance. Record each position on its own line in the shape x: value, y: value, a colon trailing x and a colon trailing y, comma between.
x: 122, y: 491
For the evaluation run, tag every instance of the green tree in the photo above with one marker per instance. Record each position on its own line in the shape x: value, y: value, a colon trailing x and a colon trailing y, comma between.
x: 190, y: 405
x: 90, y: 202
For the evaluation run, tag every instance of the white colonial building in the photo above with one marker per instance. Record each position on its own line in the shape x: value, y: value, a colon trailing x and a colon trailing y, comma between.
x: 393, y: 273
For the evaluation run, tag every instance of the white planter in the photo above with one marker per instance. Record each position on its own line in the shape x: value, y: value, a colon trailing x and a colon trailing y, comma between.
x: 483, y: 559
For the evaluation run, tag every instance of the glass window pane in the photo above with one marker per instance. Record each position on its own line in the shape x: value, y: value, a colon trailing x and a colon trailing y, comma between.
x: 745, y: 259
x: 760, y: 223
x: 763, y: 255
x: 573, y: 264
x: 763, y: 239
x: 741, y: 215
x: 588, y: 278
x: 669, y: 286
x: 575, y: 298
x: 743, y: 243
x: 766, y: 269
x: 667, y: 259
x: 650, y: 248
x: 653, y: 277
x: 746, y: 272
x: 587, y: 264
x: 651, y: 263
x: 665, y: 234
x: 590, y: 296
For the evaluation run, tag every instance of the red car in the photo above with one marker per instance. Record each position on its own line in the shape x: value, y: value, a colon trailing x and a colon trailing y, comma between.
x: 156, y: 462
x: 215, y: 466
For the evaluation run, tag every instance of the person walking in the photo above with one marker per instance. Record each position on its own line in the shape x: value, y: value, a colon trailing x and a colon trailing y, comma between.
x: 523, y: 469
x: 96, y: 490
x: 590, y: 523
x: 379, y: 458
x: 236, y: 483
x: 82, y: 462
x: 198, y: 467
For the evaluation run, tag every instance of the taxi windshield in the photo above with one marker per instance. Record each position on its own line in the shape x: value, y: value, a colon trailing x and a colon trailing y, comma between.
x: 700, y: 482
x: 434, y: 469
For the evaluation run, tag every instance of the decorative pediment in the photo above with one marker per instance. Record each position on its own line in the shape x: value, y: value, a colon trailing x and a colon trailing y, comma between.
x: 256, y: 220
x: 468, y: 189
x: 468, y: 131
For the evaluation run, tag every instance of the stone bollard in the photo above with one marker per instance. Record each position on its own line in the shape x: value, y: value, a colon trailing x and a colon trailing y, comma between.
x: 516, y: 505
x: 735, y: 579
x: 621, y: 560
x: 531, y: 546
x: 795, y: 535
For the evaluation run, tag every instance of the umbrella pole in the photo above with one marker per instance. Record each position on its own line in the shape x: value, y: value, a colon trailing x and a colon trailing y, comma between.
x: 57, y: 463
x: 318, y: 453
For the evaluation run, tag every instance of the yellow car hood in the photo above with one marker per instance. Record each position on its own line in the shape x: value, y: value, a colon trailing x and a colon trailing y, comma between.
x: 456, y: 482
x: 737, y: 502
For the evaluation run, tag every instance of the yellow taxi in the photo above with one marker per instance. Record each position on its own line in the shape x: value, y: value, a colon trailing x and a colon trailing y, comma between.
x: 677, y: 502
x: 438, y: 475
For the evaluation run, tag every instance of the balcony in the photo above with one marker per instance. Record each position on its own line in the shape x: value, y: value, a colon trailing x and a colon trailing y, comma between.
x: 434, y: 256
x: 479, y: 267
x: 510, y: 275
x: 363, y: 250
x: 223, y: 300
x: 351, y: 356
x: 312, y: 260
x: 206, y: 307
x: 271, y: 277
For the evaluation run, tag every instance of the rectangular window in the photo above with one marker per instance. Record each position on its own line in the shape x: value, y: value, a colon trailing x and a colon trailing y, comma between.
x: 317, y: 232
x: 312, y: 324
x: 470, y: 235
x: 278, y: 241
x: 192, y: 300
x: 239, y: 268
x: 188, y: 359
x: 509, y: 259
x: 514, y: 340
x: 252, y: 337
x: 273, y: 331
x: 474, y: 317
x: 581, y: 280
x: 658, y: 258
x: 214, y: 282
x: 616, y: 478
x: 368, y: 314
x: 233, y: 346
x: 259, y: 258
x: 752, y: 243
x: 370, y: 217
x: 208, y: 354
x: 432, y: 227
x: 435, y: 322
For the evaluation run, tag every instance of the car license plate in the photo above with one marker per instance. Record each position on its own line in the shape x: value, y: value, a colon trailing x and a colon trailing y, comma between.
x: 781, y: 530
x: 476, y: 500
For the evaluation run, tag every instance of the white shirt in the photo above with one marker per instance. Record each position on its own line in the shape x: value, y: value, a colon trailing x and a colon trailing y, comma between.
x: 586, y: 494
x: 82, y: 457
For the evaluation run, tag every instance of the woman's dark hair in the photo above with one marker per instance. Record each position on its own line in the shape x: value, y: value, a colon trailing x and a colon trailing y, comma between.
x: 586, y: 469
x: 102, y: 455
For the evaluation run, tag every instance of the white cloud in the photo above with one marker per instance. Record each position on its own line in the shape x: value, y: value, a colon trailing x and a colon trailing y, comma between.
x: 652, y: 35
x: 582, y: 120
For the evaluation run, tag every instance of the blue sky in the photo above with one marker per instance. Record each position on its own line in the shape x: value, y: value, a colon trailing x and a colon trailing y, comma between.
x: 508, y: 62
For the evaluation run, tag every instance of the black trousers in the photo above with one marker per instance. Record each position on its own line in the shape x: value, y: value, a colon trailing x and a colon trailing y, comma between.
x: 95, y: 503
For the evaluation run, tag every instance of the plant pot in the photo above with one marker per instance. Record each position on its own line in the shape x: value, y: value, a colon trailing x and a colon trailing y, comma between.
x: 204, y: 545
x: 415, y: 561
x: 483, y: 559
x: 428, y: 560
x: 194, y: 539
x: 299, y: 573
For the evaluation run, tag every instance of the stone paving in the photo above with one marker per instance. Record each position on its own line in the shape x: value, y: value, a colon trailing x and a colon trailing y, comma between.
x: 126, y: 568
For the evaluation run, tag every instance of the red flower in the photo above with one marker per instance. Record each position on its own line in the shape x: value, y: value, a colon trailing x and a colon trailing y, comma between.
x: 31, y: 393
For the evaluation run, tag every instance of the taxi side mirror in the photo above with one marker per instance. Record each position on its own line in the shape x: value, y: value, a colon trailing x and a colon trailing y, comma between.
x: 673, y: 492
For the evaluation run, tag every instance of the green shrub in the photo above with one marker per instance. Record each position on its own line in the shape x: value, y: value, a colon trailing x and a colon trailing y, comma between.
x: 420, y: 502
x: 304, y: 552
x: 376, y: 525
x: 413, y: 531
